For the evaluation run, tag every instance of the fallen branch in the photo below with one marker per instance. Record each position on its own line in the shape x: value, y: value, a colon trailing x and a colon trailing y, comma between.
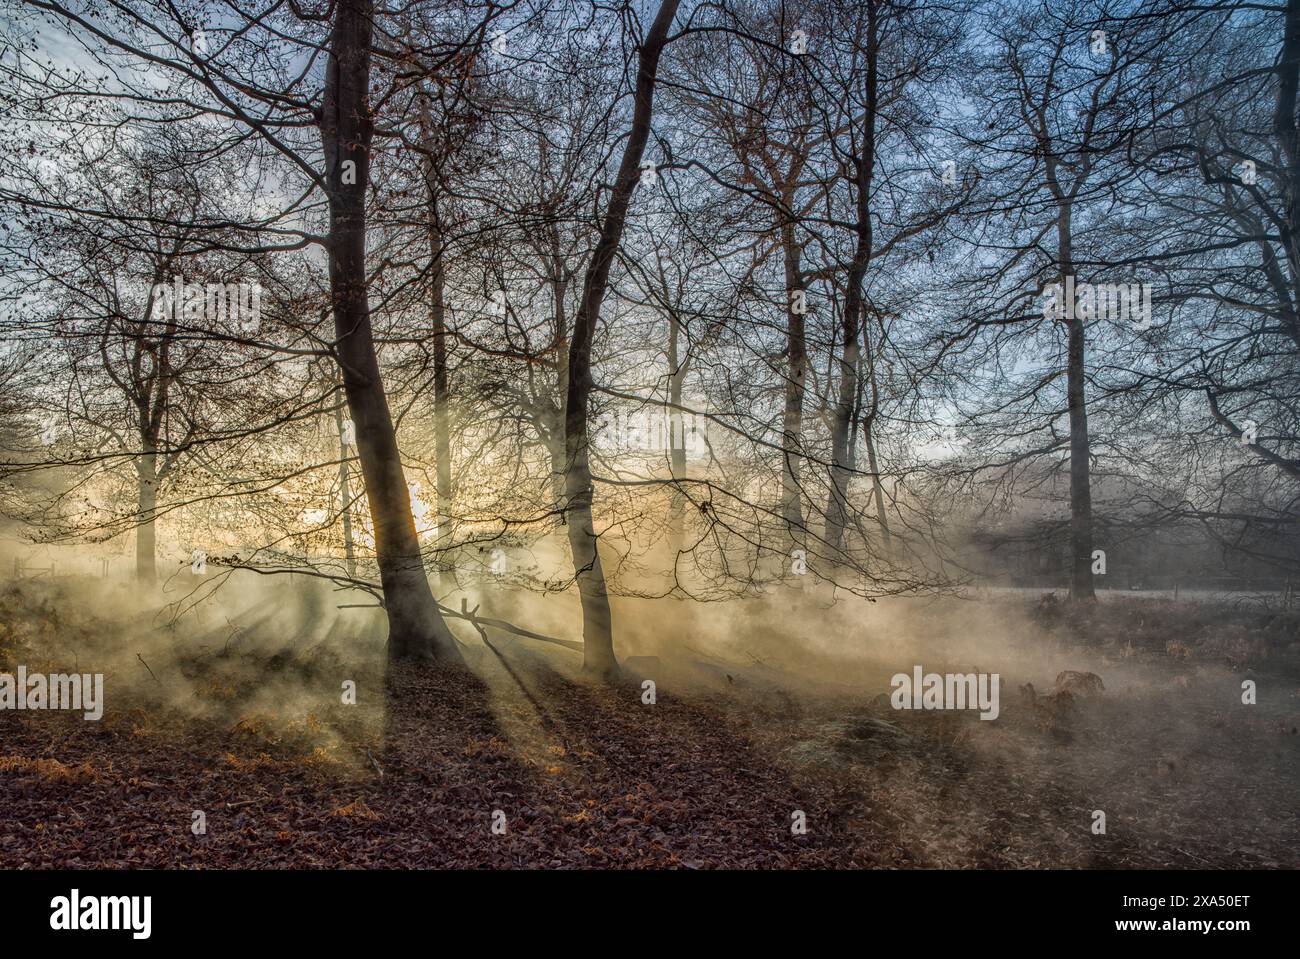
x: 471, y: 616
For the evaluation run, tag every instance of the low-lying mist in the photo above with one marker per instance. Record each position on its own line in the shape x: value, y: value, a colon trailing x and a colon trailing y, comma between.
x: 1166, y: 746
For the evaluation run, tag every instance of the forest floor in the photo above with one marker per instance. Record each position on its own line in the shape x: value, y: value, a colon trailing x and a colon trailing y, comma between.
x: 517, y: 763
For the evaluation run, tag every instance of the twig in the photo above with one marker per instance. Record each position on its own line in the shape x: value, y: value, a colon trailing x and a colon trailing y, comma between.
x: 1190, y: 854
x: 146, y: 666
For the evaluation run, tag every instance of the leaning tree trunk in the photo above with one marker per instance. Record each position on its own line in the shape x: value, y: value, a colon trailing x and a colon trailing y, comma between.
x: 416, y: 629
x: 597, y: 626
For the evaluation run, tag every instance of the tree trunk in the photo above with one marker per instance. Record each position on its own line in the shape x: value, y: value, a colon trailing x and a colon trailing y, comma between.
x: 868, y: 429
x: 796, y: 349
x: 1081, y: 586
x: 676, y: 438
x: 441, y: 389
x: 345, y: 496
x: 441, y: 404
x: 555, y: 450
x: 842, y: 422
x: 597, y: 627
x: 1284, y: 129
x: 416, y: 629
x: 869, y: 439
x: 552, y: 412
x: 146, y: 561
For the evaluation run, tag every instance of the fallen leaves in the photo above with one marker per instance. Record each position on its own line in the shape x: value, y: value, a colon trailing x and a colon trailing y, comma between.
x: 51, y: 770
x: 357, y: 809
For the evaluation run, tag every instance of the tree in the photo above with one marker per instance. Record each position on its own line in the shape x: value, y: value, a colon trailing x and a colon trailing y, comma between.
x: 237, y: 74
x: 597, y: 631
